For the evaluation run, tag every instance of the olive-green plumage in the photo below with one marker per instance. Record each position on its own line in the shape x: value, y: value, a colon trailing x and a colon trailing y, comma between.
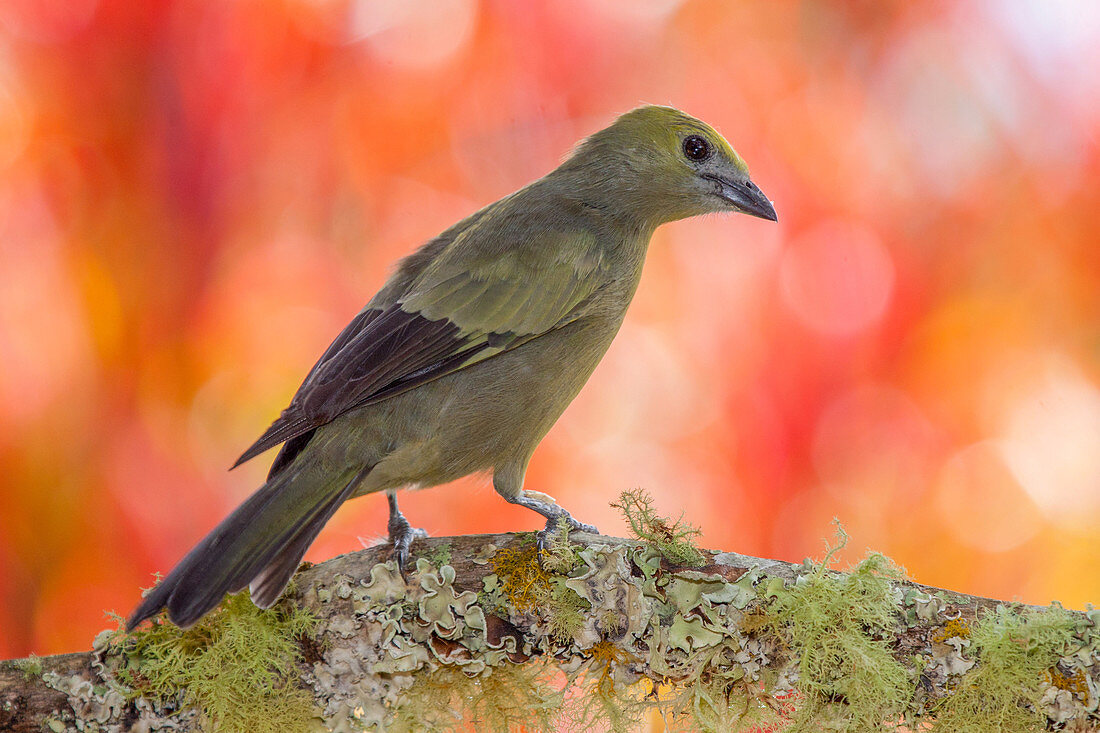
x: 469, y: 353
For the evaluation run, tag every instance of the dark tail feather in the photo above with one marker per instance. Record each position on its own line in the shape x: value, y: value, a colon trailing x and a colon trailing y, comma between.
x: 272, y: 580
x: 286, y: 512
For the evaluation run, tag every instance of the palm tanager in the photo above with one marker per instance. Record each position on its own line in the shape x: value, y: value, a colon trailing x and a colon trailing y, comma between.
x: 468, y: 354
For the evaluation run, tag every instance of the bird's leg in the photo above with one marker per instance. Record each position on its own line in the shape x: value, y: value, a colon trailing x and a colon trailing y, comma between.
x: 553, y: 513
x: 402, y: 534
x: 508, y: 482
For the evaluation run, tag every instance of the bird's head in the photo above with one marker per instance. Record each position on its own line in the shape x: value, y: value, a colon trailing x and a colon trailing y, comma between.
x: 668, y: 165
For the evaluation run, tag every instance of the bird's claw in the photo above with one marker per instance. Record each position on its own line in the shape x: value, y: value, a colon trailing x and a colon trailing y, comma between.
x: 551, y: 528
x: 402, y: 535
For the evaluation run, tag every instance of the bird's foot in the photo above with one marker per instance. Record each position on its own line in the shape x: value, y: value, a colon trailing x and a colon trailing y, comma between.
x: 401, y: 540
x: 553, y: 527
x: 555, y: 517
x: 402, y: 535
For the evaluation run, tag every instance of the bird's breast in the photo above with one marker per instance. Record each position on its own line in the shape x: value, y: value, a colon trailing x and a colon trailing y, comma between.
x: 488, y: 414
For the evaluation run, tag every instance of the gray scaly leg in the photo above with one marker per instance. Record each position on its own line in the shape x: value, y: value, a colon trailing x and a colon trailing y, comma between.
x: 553, y: 514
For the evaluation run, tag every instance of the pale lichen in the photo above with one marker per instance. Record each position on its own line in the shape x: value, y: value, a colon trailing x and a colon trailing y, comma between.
x: 599, y: 636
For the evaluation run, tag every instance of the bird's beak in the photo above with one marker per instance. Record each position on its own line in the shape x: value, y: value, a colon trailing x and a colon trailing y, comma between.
x: 747, y: 197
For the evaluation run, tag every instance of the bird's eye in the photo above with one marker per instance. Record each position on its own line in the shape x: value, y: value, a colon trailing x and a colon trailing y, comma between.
x: 696, y: 148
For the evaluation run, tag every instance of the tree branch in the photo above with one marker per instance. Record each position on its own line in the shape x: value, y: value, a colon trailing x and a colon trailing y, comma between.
x: 484, y: 633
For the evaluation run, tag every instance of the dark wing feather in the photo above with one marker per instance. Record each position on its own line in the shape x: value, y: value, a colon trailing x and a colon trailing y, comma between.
x: 471, y: 300
x: 391, y: 346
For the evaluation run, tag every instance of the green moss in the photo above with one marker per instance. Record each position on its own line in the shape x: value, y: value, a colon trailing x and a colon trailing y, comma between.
x: 237, y: 665
x: 559, y: 555
x: 716, y: 704
x: 757, y: 653
x: 1002, y: 691
x: 31, y: 667
x: 522, y: 583
x: 566, y: 611
x: 674, y: 539
x: 839, y: 625
x: 511, y: 697
x: 603, y: 702
x: 439, y: 555
x: 628, y: 630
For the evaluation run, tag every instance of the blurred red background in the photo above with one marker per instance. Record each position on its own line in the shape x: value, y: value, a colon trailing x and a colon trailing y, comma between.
x: 195, y: 197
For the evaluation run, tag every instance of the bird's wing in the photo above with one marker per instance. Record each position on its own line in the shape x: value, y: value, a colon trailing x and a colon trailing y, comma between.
x: 468, y: 305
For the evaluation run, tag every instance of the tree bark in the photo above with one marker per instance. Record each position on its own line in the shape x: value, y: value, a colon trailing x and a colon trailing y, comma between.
x: 734, y: 642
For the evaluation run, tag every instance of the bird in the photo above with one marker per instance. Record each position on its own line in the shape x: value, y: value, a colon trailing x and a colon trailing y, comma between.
x: 468, y: 354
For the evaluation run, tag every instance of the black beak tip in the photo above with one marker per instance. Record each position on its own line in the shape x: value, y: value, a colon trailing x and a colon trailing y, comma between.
x: 747, y: 198
x: 757, y: 204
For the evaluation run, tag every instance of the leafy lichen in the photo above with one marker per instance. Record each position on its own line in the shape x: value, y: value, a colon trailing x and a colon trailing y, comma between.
x: 600, y: 636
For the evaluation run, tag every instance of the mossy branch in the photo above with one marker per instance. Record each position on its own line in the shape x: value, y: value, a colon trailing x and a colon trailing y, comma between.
x: 602, y: 633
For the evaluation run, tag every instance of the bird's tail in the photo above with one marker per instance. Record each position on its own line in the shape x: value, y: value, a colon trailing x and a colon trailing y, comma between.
x: 259, y: 545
